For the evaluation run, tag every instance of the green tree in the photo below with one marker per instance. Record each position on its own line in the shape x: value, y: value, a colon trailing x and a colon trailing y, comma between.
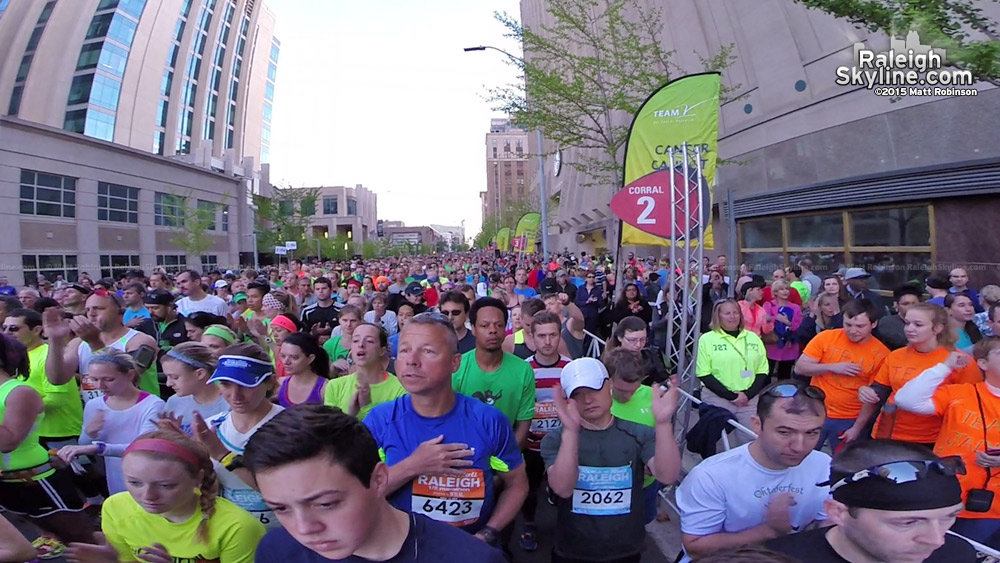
x: 193, y: 226
x: 585, y: 75
x: 959, y: 26
x: 371, y: 249
x: 285, y: 216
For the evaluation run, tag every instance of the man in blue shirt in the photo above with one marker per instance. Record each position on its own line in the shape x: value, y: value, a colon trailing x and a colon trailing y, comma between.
x: 444, y: 449
x: 320, y: 472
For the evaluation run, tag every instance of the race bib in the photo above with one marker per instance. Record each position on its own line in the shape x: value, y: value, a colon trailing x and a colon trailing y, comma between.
x: 603, y: 491
x: 251, y: 501
x: 452, y: 499
x: 88, y: 390
x: 546, y: 419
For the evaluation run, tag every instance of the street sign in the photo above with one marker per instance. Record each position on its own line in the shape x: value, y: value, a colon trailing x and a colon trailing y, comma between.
x: 291, y: 245
x: 645, y: 204
x: 280, y: 250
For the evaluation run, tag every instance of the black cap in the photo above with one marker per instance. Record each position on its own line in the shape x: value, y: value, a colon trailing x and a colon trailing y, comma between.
x: 414, y: 289
x: 81, y: 288
x: 159, y: 297
x: 548, y: 285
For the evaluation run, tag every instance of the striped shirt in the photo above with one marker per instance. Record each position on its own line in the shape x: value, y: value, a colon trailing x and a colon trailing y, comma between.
x: 545, y: 419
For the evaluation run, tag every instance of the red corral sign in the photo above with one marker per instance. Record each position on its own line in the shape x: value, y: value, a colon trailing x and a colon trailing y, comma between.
x: 646, y: 204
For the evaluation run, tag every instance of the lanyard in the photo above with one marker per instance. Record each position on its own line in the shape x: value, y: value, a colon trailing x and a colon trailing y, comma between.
x: 743, y: 355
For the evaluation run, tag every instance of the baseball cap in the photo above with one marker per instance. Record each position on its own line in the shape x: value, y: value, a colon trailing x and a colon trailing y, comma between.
x: 219, y: 284
x: 81, y: 288
x: 583, y: 372
x: 239, y: 297
x: 937, y: 282
x: 855, y: 273
x: 241, y: 370
x: 560, y: 273
x: 414, y: 289
x: 548, y: 285
x: 159, y: 297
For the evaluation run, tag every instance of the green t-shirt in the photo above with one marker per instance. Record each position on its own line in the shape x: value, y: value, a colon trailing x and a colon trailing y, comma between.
x: 339, y: 392
x: 803, y: 289
x: 638, y: 409
x: 335, y: 350
x: 511, y: 389
x: 63, y: 409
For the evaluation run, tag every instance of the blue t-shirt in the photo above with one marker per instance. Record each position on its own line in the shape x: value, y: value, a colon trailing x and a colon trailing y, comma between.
x: 467, y: 500
x: 527, y: 292
x: 8, y: 290
x: 427, y: 542
x: 130, y: 314
x: 394, y: 344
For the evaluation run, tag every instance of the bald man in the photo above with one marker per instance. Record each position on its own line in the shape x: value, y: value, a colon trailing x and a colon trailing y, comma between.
x: 959, y: 279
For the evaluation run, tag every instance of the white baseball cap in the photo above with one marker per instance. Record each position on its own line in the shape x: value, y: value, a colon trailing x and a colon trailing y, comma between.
x: 583, y: 372
x: 219, y: 284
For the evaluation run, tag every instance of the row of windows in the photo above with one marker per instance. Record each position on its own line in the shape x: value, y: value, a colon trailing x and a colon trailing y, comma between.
x: 65, y: 267
x: 29, y: 54
x: 893, y: 244
x: 52, y: 195
x: 331, y: 206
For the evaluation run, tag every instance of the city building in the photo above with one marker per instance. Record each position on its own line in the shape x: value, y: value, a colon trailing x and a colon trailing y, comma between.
x: 162, y: 76
x: 833, y: 173
x: 401, y: 234
x: 452, y: 236
x: 508, y: 168
x: 349, y: 212
x: 71, y: 204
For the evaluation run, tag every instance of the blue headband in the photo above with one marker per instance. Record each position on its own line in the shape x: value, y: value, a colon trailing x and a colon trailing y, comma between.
x: 109, y: 359
x: 181, y: 357
x: 241, y: 370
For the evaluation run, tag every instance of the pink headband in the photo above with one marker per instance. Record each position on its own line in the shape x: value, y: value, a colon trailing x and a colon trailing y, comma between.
x: 159, y: 445
x: 285, y: 323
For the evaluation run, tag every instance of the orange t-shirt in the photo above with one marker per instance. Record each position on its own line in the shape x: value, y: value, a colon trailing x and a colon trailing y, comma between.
x: 833, y: 346
x: 962, y: 435
x: 905, y: 364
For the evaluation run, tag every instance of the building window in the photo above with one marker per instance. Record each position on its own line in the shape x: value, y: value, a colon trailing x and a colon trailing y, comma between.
x: 122, y: 30
x: 119, y: 204
x: 113, y: 59
x: 161, y: 113
x: 47, y: 194
x: 172, y: 263
x: 52, y: 266
x: 330, y: 205
x: 352, y: 206
x: 267, y: 111
x: 274, y: 53
x: 99, y: 25
x: 206, y: 214
x: 168, y: 210
x: 894, y: 245
x: 209, y: 262
x: 79, y: 89
x: 159, y: 138
x: 104, y: 92
x: 115, y: 265
x: 99, y: 125
x: 15, y: 100
x: 90, y: 54
x: 272, y: 71
x: 269, y: 92
x: 265, y: 154
x: 225, y: 218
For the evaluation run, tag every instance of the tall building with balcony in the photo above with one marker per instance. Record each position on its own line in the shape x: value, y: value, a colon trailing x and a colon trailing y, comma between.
x: 170, y: 77
x: 348, y: 212
x: 508, y: 168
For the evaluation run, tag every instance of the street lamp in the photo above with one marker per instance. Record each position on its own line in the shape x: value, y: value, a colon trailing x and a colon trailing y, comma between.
x: 542, y: 181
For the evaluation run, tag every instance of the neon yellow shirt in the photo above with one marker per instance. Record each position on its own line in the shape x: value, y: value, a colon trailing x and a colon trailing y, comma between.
x: 733, y: 361
x: 339, y: 392
x: 63, y: 409
x: 638, y: 409
x: 233, y: 534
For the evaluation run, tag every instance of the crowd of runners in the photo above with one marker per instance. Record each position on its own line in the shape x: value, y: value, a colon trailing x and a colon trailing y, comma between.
x: 414, y: 409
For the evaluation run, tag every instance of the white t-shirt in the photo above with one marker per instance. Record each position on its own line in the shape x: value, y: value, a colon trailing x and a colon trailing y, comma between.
x: 729, y: 492
x: 208, y: 304
x: 233, y: 488
x: 120, y: 429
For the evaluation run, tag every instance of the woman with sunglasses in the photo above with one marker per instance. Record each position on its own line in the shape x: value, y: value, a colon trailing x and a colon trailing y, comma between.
x: 370, y: 384
x: 969, y: 412
x: 930, y: 340
x: 732, y: 364
x: 171, y: 511
x: 589, y: 298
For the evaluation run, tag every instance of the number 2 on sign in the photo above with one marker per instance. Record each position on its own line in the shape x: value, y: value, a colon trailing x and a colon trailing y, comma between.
x: 644, y: 217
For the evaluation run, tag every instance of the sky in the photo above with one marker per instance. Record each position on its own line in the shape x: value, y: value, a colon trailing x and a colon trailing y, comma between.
x: 380, y: 93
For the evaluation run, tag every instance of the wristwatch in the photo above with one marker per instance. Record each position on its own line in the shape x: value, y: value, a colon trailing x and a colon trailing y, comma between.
x: 490, y: 535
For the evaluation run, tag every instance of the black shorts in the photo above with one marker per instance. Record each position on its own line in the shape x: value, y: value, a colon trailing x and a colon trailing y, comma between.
x: 56, y: 493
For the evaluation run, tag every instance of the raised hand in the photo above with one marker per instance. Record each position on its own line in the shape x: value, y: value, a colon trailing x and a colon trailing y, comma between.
x: 568, y: 413
x: 435, y: 458
x: 665, y: 402
x: 957, y: 360
x: 54, y: 325
x: 85, y: 329
x: 203, y: 433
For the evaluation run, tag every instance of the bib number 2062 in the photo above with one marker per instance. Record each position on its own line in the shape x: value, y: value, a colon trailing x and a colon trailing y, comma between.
x: 601, y: 497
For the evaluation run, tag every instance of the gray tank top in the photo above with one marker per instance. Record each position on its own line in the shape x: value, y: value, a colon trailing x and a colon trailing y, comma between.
x: 573, y: 345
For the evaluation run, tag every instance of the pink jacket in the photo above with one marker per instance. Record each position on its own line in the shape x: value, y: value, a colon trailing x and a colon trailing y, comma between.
x: 754, y: 318
x: 790, y: 351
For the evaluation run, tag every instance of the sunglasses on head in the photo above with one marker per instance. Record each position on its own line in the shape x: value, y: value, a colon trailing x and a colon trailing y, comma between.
x: 789, y: 390
x: 899, y: 472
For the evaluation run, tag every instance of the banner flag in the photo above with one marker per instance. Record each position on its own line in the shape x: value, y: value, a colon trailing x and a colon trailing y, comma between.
x: 527, y: 231
x: 503, y: 239
x: 683, y: 111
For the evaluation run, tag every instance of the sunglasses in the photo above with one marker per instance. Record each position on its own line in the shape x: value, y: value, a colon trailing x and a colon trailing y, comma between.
x: 452, y: 312
x: 11, y: 328
x: 789, y: 390
x: 899, y: 472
